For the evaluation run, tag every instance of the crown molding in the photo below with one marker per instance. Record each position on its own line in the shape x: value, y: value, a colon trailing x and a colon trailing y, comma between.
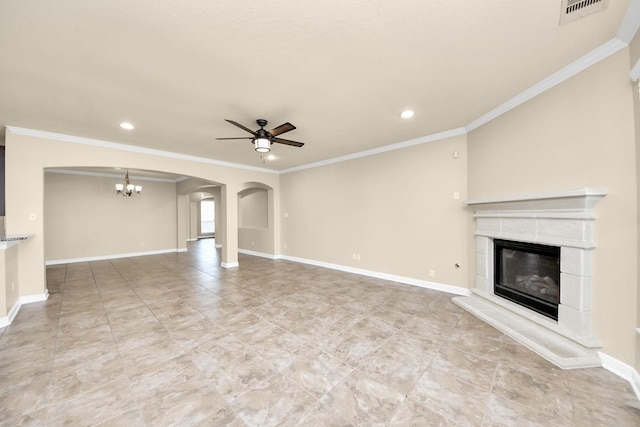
x: 630, y: 23
x: 591, y: 58
x: 131, y: 148
x: 383, y: 149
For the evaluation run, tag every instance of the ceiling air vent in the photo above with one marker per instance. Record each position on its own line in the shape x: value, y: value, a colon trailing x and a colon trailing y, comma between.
x: 574, y: 9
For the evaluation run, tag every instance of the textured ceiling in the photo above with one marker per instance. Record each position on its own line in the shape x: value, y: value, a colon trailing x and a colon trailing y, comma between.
x: 341, y: 71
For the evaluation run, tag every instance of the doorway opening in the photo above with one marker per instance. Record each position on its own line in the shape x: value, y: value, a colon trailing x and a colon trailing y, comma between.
x: 207, y: 218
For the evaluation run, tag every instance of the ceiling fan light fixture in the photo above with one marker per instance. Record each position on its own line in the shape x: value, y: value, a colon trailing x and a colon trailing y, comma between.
x: 262, y: 145
x: 262, y: 139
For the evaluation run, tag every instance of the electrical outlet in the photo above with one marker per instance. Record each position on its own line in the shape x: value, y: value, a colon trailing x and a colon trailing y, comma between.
x: 432, y: 273
x: 32, y: 217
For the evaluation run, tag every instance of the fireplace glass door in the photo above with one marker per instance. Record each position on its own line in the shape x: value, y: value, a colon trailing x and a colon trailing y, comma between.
x: 528, y: 274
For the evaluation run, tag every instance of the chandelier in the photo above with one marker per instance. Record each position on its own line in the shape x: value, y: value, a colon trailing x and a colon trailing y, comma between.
x: 127, y: 189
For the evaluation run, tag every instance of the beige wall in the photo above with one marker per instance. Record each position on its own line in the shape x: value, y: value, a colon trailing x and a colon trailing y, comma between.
x: 395, y: 209
x: 256, y: 219
x: 10, y: 279
x: 635, y: 57
x: 578, y: 134
x: 193, y: 219
x: 85, y: 218
x: 182, y: 222
x: 253, y: 208
x: 29, y: 155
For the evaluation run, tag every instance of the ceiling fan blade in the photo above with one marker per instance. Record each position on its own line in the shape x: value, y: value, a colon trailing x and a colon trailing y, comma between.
x: 285, y: 127
x: 244, y: 137
x: 288, y: 142
x: 240, y: 126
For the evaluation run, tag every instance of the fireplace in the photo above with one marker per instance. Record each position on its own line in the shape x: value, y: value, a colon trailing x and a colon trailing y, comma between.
x: 555, y: 319
x: 528, y: 274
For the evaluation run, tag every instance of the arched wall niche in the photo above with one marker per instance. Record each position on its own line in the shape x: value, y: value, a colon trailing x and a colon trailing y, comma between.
x: 256, y: 214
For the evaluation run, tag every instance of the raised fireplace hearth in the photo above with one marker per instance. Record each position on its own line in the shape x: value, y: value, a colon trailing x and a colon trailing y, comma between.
x: 545, y: 307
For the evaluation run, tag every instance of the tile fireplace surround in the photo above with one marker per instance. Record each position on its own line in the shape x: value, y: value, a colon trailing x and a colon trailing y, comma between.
x: 564, y: 219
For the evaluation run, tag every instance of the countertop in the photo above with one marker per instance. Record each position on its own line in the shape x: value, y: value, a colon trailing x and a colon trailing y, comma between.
x: 8, y: 240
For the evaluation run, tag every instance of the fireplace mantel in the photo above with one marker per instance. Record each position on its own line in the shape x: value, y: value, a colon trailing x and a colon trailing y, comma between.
x: 583, y: 198
x: 564, y: 219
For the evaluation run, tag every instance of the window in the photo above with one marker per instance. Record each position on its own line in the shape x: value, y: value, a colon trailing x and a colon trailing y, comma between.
x: 207, y: 216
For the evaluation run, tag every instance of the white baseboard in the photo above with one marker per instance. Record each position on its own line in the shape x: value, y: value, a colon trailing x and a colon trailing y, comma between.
x: 369, y: 273
x: 622, y: 370
x: 115, y: 256
x: 229, y: 264
x: 8, y: 319
x: 635, y: 383
x: 28, y: 299
x: 378, y: 275
x: 260, y: 254
x: 613, y: 365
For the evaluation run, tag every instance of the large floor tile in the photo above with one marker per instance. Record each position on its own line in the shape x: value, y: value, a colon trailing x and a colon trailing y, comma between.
x: 174, y: 339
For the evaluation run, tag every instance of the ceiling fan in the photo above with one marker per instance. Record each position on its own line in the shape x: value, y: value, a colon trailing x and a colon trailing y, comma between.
x: 262, y: 139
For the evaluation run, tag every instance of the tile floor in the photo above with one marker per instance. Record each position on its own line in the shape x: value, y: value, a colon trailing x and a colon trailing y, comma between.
x: 174, y: 339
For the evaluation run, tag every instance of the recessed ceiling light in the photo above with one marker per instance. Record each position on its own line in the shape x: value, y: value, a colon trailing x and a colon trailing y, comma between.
x: 127, y: 126
x: 271, y: 157
x: 407, y: 114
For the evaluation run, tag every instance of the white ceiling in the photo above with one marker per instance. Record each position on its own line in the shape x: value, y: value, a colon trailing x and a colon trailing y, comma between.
x: 341, y: 71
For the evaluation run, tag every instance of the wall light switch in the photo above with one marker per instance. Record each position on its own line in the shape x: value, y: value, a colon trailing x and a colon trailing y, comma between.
x: 456, y: 195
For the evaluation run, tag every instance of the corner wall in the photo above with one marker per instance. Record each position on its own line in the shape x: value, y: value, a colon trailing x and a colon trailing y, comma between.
x: 577, y: 134
x: 394, y: 211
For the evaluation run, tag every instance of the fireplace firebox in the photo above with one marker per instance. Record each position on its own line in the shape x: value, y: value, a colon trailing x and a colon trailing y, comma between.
x: 528, y: 274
